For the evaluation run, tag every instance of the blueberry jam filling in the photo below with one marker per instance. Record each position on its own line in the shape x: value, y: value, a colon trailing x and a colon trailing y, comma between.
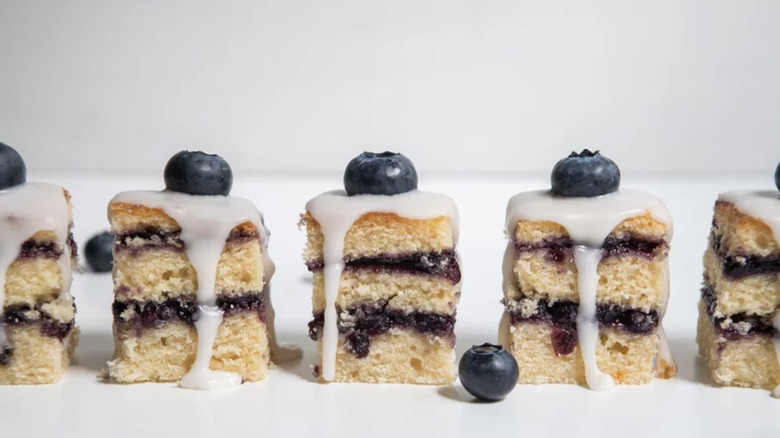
x: 438, y: 264
x: 359, y: 324
x: 148, y: 314
x: 740, y: 325
x: 560, y: 249
x: 5, y: 354
x: 157, y: 239
x: 22, y: 314
x: 562, y: 315
x: 743, y: 265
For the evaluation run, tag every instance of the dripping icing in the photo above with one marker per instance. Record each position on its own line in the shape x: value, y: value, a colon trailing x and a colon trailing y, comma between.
x: 765, y: 206
x: 336, y: 212
x: 25, y: 210
x: 206, y: 222
x: 588, y: 221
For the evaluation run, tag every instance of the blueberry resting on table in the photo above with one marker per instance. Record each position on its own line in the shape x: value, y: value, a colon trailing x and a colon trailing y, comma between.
x: 98, y: 252
x: 777, y: 177
x: 385, y: 173
x: 585, y: 175
x: 488, y: 372
x: 198, y: 173
x: 13, y: 172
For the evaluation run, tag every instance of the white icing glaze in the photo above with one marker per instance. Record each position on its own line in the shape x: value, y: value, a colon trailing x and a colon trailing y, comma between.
x: 336, y: 212
x: 765, y: 206
x: 25, y: 210
x: 206, y: 222
x: 588, y: 222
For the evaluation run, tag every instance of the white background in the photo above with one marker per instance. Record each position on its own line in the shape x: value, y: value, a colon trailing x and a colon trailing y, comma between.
x: 460, y: 86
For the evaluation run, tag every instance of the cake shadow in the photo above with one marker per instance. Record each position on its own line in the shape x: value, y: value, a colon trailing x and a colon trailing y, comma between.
x: 93, y: 351
x: 690, y: 367
x: 302, y: 365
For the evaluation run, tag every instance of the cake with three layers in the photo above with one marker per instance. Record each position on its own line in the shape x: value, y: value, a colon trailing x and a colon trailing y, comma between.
x: 586, y: 279
x: 37, y: 256
x: 386, y: 276
x: 738, y: 312
x: 191, y: 273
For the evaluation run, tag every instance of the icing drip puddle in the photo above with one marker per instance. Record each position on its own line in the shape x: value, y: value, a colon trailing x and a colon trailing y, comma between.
x: 25, y: 210
x: 589, y: 221
x: 765, y: 206
x: 206, y: 223
x: 336, y: 212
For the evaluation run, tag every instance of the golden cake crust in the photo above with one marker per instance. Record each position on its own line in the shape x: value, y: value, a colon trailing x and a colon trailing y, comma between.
x: 644, y: 226
x: 128, y: 218
x: 741, y: 234
x: 383, y: 233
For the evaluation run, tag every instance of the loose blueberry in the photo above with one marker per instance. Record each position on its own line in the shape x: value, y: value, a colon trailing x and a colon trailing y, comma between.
x: 585, y: 175
x: 98, y: 252
x: 777, y: 177
x: 488, y: 372
x: 198, y: 173
x: 387, y: 173
x: 13, y: 172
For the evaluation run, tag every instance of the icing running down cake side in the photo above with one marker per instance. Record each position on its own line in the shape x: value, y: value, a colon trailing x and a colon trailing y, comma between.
x: 386, y: 282
x: 37, y: 253
x: 586, y: 286
x: 739, y: 326
x: 191, y: 274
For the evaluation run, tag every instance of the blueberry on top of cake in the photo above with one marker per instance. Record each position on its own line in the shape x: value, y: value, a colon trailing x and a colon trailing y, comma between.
x: 739, y: 326
x: 190, y: 263
x: 37, y: 255
x: 386, y: 275
x: 585, y: 270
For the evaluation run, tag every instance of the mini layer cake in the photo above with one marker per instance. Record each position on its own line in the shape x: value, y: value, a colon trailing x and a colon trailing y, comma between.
x: 37, y: 254
x: 586, y: 279
x: 738, y: 313
x: 386, y: 276
x: 191, y: 270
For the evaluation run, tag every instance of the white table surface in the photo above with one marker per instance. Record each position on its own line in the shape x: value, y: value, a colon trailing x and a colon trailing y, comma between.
x: 289, y: 403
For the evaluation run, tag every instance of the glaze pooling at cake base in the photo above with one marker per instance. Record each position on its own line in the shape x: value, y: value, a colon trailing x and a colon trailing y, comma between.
x: 589, y: 224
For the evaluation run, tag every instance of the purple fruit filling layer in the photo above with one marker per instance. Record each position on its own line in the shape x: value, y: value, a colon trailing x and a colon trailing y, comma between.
x: 562, y: 315
x: 373, y: 319
x: 157, y: 239
x: 149, y: 314
x: 23, y: 314
x: 438, y: 264
x: 738, y: 266
x: 559, y: 249
x: 740, y: 325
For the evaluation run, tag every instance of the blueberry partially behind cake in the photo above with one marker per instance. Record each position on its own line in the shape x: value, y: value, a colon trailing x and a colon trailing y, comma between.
x: 586, y: 279
x: 191, y: 273
x: 37, y: 255
x: 386, y: 276
x: 740, y: 303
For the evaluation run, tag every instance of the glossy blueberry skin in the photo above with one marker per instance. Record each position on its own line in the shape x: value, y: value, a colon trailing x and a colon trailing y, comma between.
x: 488, y: 372
x: 198, y: 173
x: 98, y: 252
x: 13, y: 172
x: 385, y: 173
x: 585, y: 175
x: 777, y: 177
